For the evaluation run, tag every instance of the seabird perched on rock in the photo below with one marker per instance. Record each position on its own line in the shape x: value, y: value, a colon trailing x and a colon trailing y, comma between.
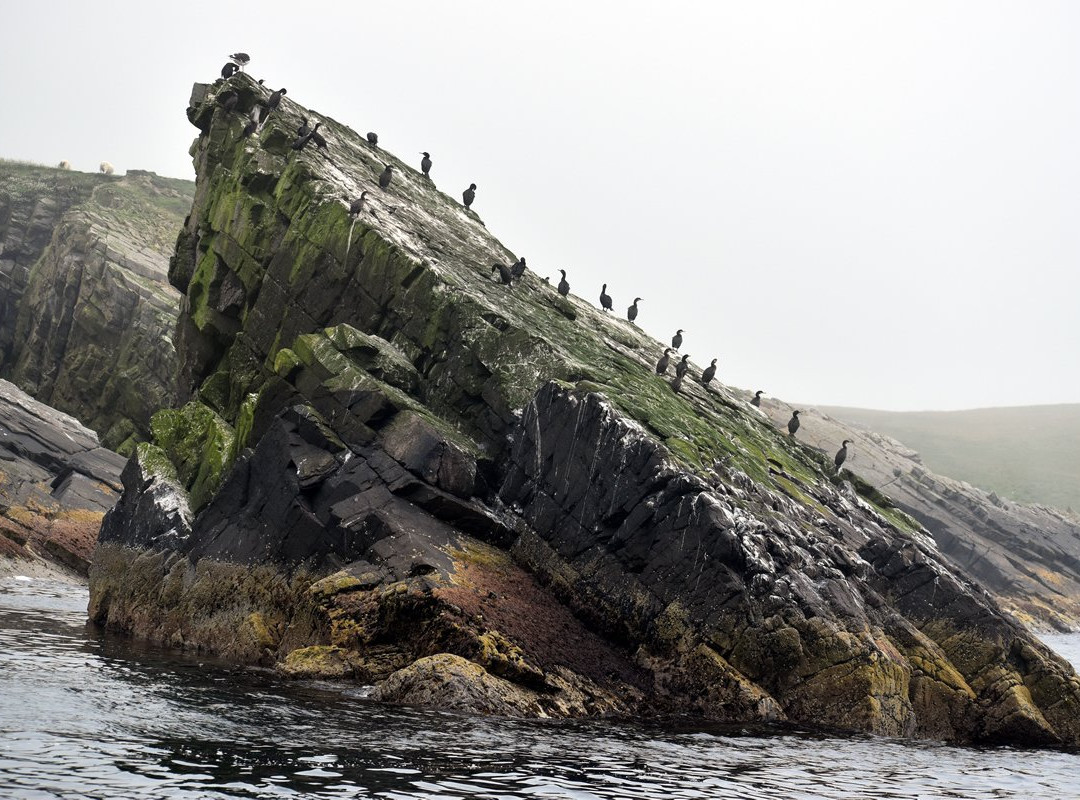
x: 318, y: 138
x: 676, y: 384
x: 469, y: 195
x: 564, y: 287
x: 373, y: 138
x: 682, y: 367
x: 275, y: 98
x: 676, y: 340
x: 757, y: 398
x: 662, y: 364
x: 709, y: 373
x: 303, y: 130
x: 605, y: 298
x: 357, y: 205
x: 229, y: 70
x: 793, y: 423
x: 301, y: 141
x: 387, y: 174
x: 240, y: 59
x: 841, y: 454
x: 249, y: 128
x: 518, y: 270
x: 425, y: 164
x: 631, y: 313
x: 504, y: 273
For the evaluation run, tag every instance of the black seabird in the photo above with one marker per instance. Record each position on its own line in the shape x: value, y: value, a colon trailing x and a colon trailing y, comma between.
x: 425, y: 164
x: 793, y: 423
x: 469, y: 195
x: 229, y: 70
x: 757, y: 399
x: 373, y: 138
x: 709, y: 373
x: 240, y: 59
x: 564, y: 287
x: 387, y: 174
x: 303, y: 130
x: 841, y: 454
x: 682, y: 367
x: 662, y: 364
x: 275, y: 98
x: 631, y: 313
x: 605, y: 298
x: 249, y: 128
x: 518, y: 270
x: 676, y: 384
x: 357, y: 205
x: 301, y: 141
x: 317, y: 137
x: 504, y: 273
x: 676, y: 340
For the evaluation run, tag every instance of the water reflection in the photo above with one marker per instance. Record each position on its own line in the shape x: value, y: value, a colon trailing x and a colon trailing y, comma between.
x: 86, y: 715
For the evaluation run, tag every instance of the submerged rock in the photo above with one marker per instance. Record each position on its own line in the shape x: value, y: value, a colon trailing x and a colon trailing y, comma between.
x: 470, y: 498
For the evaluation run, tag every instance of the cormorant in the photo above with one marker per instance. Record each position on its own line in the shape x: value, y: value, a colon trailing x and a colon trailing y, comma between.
x: 317, y: 137
x: 249, y: 128
x: 357, y: 205
x: 469, y: 195
x: 240, y: 59
x: 229, y: 70
x: 564, y: 287
x: 793, y: 423
x: 387, y: 174
x: 518, y: 270
x: 682, y: 367
x: 709, y: 373
x: 662, y: 364
x: 303, y: 130
x: 605, y: 298
x: 757, y: 399
x: 504, y: 273
x: 373, y: 138
x: 676, y: 340
x: 631, y: 313
x: 425, y: 164
x: 301, y: 141
x: 275, y: 98
x: 676, y: 384
x: 841, y: 454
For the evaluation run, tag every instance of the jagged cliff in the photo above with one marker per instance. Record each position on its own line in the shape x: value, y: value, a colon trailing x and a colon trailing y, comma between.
x: 1027, y: 555
x: 395, y: 469
x: 87, y: 310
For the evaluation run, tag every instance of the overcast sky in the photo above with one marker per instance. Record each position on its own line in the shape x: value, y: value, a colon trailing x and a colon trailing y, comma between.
x: 852, y: 203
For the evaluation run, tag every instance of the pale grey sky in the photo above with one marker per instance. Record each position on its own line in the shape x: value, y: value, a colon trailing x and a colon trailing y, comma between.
x: 851, y: 203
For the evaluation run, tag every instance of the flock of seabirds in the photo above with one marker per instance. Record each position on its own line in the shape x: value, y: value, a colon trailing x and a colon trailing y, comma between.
x: 306, y: 135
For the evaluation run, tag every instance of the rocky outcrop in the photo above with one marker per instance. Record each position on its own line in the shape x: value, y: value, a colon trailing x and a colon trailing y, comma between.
x: 56, y: 482
x: 88, y: 310
x: 1027, y: 555
x: 392, y: 469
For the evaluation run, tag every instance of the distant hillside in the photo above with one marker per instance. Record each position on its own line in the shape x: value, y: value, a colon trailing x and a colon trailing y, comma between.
x: 1030, y: 454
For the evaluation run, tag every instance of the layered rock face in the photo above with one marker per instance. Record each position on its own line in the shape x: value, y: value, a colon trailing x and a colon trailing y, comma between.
x: 394, y: 469
x: 56, y: 483
x: 1027, y: 555
x: 90, y: 325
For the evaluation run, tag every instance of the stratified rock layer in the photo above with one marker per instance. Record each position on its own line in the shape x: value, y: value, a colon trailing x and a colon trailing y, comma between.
x: 392, y: 468
x: 88, y: 311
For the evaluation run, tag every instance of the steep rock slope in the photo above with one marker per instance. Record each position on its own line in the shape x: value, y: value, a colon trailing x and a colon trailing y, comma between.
x: 1028, y: 556
x: 90, y: 330
x: 396, y: 469
x: 56, y: 483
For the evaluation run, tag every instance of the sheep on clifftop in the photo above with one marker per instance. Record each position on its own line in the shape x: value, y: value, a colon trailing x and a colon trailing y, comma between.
x: 65, y: 164
x: 106, y: 167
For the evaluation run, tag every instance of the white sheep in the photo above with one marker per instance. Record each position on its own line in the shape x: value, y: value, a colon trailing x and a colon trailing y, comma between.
x: 65, y: 164
x: 106, y: 167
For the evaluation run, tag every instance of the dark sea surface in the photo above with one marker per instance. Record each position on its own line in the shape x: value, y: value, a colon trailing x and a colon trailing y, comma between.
x: 88, y: 715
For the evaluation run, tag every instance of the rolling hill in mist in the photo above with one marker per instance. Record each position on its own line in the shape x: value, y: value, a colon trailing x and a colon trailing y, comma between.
x: 1029, y: 454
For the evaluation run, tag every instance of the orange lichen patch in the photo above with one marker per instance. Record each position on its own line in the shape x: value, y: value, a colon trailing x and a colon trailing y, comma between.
x: 509, y: 600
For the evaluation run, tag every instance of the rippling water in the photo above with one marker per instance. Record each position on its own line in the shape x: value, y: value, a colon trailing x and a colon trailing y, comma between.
x: 85, y: 715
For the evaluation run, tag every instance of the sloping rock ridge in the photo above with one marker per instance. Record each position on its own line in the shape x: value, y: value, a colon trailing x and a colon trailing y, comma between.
x: 1028, y: 556
x: 56, y: 483
x: 88, y: 312
x: 393, y: 469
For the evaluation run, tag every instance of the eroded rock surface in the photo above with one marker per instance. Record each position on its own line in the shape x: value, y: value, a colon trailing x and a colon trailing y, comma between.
x: 392, y: 469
